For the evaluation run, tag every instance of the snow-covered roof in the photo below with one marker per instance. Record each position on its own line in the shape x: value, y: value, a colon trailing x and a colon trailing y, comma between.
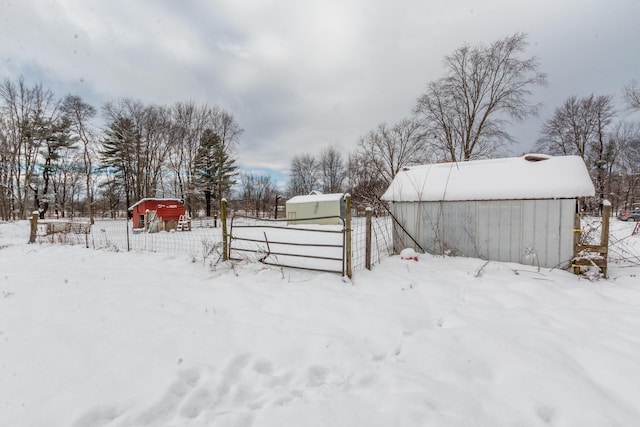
x: 533, y: 176
x: 316, y: 198
x: 156, y: 199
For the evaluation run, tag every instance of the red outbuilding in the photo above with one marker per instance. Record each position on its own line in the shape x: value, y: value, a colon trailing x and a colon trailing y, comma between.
x: 168, y: 213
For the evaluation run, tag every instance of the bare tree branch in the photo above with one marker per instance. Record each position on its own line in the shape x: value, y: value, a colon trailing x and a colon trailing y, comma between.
x: 464, y: 114
x: 632, y: 95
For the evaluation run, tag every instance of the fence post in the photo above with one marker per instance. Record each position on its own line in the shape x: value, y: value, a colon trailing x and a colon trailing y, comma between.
x: 577, y: 230
x: 223, y: 219
x: 127, y: 227
x: 367, y: 250
x: 34, y: 227
x: 347, y: 230
x: 604, y: 236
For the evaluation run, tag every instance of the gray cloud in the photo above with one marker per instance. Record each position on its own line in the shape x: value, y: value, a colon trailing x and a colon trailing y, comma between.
x: 301, y: 75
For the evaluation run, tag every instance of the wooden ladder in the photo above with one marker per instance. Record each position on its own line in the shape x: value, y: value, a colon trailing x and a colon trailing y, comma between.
x: 184, y: 223
x: 598, y: 254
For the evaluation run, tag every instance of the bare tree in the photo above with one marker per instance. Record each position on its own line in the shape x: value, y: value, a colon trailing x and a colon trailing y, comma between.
x: 188, y: 124
x: 364, y: 182
x: 333, y: 170
x: 464, y: 114
x: 304, y: 175
x: 136, y: 145
x: 80, y: 114
x: 67, y: 182
x: 228, y: 133
x: 388, y: 149
x: 258, y: 193
x: 30, y: 114
x: 7, y: 163
x: 632, y: 95
x: 156, y: 138
x: 624, y: 173
x: 579, y: 127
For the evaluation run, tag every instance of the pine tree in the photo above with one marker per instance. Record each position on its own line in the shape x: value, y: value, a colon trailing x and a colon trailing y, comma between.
x: 56, y: 137
x: 215, y: 168
x: 117, y: 155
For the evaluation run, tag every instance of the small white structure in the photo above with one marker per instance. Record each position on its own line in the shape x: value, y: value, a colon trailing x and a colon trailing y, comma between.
x: 518, y: 209
x: 316, y: 208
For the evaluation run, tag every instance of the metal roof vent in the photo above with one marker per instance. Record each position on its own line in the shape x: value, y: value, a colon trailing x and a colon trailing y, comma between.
x: 536, y: 157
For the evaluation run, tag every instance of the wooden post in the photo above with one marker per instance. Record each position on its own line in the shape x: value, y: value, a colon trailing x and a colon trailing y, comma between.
x: 604, y: 236
x: 275, y: 211
x: 602, y: 249
x: 577, y: 230
x: 367, y: 251
x: 223, y: 219
x: 347, y: 230
x: 34, y: 227
x: 127, y: 229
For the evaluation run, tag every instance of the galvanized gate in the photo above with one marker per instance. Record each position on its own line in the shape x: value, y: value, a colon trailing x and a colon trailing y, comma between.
x: 289, y: 243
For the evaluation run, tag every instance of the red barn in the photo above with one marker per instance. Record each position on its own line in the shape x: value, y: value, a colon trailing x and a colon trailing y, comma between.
x: 167, y: 211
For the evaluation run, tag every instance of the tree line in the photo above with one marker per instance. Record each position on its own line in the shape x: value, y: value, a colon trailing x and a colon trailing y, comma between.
x: 55, y: 160
x: 591, y: 128
x: 465, y: 114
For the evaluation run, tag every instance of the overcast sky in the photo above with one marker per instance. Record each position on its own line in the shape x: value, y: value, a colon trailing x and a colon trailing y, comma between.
x: 301, y: 75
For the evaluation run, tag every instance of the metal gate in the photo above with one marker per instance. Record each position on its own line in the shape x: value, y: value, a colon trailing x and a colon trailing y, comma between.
x: 295, y: 243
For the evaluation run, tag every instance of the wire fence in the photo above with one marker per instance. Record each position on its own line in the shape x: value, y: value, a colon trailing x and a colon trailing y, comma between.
x: 381, y: 240
x: 203, y: 243
x: 63, y: 231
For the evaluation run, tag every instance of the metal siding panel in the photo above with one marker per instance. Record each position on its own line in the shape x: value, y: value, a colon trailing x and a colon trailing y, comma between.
x: 493, y: 246
x: 553, y: 240
x: 567, y: 214
x: 541, y: 230
x: 458, y: 228
x: 411, y: 219
x: 431, y: 226
x: 504, y: 231
x: 483, y: 212
x: 471, y: 233
x: 505, y: 226
x: 468, y: 238
x: 508, y: 229
x: 497, y: 230
x: 547, y: 232
x: 515, y: 231
x: 528, y: 229
x: 402, y: 212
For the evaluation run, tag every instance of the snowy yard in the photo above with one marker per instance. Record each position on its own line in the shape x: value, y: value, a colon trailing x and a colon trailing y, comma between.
x: 104, y: 338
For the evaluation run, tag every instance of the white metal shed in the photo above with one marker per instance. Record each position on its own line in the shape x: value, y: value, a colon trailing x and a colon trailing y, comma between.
x: 316, y: 208
x: 518, y: 209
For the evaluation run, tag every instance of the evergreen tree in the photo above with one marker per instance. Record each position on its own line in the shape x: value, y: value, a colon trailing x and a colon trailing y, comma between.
x: 117, y: 154
x: 56, y: 137
x: 215, y: 168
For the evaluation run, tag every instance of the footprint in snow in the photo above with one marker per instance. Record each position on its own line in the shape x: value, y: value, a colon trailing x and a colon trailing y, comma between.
x: 316, y: 376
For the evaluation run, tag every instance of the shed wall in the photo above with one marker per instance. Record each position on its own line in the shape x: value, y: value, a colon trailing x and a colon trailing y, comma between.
x: 168, y: 210
x: 498, y: 230
x: 317, y: 209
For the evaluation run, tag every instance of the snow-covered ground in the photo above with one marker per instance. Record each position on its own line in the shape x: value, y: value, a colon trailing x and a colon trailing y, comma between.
x: 102, y: 338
